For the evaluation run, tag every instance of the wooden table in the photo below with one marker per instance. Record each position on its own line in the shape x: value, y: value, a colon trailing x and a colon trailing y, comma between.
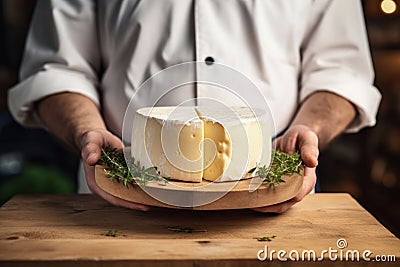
x: 48, y: 230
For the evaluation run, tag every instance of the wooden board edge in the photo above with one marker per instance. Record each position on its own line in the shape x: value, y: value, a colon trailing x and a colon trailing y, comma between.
x: 243, y: 199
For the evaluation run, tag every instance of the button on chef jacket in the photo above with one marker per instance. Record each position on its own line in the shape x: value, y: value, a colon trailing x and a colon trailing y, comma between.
x: 106, y: 49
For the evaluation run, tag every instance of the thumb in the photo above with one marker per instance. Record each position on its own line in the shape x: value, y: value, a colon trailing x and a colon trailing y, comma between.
x: 308, y: 146
x: 92, y: 143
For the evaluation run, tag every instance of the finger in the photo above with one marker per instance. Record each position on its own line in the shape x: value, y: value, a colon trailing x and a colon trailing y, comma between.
x: 308, y: 146
x: 107, y: 140
x: 288, y: 143
x: 92, y: 143
x: 91, y: 153
x: 277, y: 143
x: 309, y: 181
x: 112, y: 141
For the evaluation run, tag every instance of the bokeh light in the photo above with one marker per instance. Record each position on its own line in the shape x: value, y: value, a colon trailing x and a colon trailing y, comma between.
x: 388, y: 6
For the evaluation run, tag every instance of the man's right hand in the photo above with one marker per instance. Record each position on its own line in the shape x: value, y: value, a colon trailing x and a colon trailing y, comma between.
x: 91, y: 143
x: 76, y: 120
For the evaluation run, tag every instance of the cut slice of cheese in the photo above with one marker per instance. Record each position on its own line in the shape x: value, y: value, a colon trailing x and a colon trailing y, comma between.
x: 239, y: 143
x: 191, y: 143
x: 217, y: 150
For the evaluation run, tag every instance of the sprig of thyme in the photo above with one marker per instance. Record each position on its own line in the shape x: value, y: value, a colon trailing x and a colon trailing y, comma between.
x: 113, y: 233
x: 282, y: 164
x: 117, y: 169
x: 178, y: 229
x: 265, y: 238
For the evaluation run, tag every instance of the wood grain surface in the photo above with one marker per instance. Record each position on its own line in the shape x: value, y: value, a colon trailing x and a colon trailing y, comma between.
x: 68, y: 230
x: 204, y: 195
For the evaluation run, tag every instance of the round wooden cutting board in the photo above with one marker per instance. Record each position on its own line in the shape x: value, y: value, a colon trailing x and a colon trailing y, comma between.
x: 239, y: 197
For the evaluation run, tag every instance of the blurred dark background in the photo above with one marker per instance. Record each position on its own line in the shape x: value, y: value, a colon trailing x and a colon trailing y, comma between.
x: 366, y: 164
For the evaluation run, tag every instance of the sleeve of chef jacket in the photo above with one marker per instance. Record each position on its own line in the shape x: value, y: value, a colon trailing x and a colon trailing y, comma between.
x: 61, y: 55
x: 336, y: 58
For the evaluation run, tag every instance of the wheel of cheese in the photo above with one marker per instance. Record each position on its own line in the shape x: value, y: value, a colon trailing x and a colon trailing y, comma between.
x: 195, y: 143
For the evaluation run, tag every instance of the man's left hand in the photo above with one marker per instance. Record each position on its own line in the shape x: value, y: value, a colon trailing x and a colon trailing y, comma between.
x: 298, y: 138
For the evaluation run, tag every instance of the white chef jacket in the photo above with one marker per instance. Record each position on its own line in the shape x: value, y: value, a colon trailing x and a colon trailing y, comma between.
x: 106, y: 49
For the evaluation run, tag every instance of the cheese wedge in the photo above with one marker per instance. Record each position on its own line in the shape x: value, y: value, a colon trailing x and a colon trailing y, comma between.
x: 192, y: 143
x: 237, y: 135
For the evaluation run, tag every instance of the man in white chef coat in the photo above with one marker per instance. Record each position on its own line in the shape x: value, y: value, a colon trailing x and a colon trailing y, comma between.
x: 85, y: 59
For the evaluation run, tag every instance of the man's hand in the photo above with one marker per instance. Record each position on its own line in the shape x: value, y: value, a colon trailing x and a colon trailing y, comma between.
x: 91, y: 144
x: 76, y: 121
x: 304, y: 140
x: 321, y: 117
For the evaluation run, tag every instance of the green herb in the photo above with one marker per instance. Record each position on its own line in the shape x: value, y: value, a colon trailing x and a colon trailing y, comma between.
x: 265, y: 238
x: 178, y: 229
x: 282, y: 164
x: 117, y: 169
x: 113, y: 233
